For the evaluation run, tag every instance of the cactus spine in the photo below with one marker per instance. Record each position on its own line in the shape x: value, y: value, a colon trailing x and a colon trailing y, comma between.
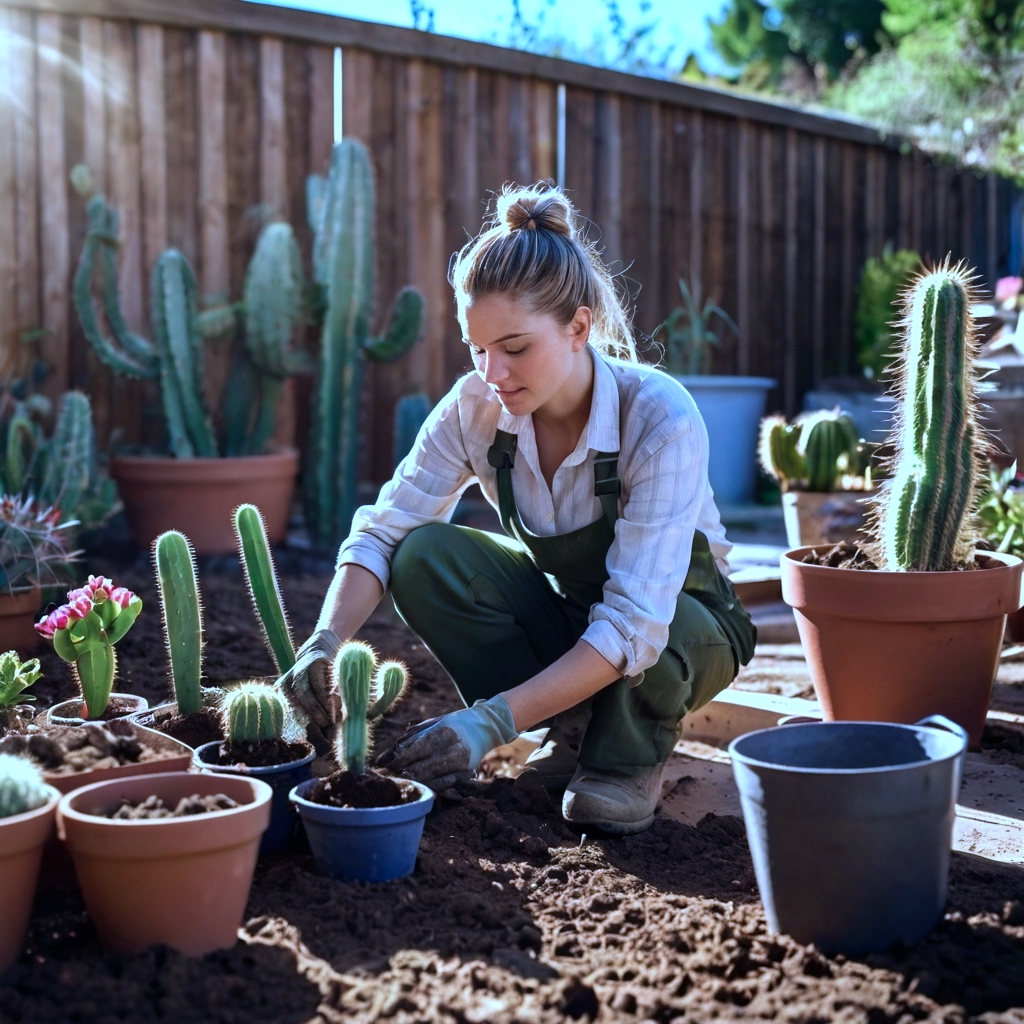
x: 365, y: 694
x: 182, y: 615
x: 828, y: 440
x: 253, y: 712
x: 258, y: 563
x: 22, y: 788
x: 924, y: 520
x: 341, y: 209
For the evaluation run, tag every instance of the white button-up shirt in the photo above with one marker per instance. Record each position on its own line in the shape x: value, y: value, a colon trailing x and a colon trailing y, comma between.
x: 636, y: 410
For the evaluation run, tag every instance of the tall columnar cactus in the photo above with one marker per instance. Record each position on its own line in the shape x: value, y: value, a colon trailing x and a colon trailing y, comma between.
x: 925, y: 515
x: 828, y: 442
x: 252, y: 712
x: 271, y: 309
x: 342, y: 213
x: 258, y: 563
x: 22, y: 788
x: 183, y: 617
x: 364, y: 695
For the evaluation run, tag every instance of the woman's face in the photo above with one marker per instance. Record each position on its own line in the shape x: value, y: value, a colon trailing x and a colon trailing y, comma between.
x: 525, y: 357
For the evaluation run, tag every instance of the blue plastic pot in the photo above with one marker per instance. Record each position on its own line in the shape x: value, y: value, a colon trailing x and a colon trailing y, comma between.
x: 281, y: 778
x: 364, y: 844
x: 850, y: 826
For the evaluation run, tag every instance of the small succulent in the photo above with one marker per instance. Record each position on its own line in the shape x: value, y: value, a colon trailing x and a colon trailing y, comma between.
x: 22, y: 787
x: 1001, y: 511
x: 688, y: 335
x: 252, y: 712
x: 84, y: 632
x: 16, y: 676
x: 367, y: 691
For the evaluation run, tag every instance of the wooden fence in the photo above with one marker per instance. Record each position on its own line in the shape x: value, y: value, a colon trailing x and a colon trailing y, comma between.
x: 200, y: 117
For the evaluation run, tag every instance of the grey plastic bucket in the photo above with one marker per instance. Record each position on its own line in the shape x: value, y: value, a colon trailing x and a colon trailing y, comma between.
x: 850, y: 826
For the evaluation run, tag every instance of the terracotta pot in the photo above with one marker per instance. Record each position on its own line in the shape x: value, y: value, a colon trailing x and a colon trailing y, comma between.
x: 22, y: 837
x: 900, y: 646
x: 816, y: 518
x: 183, y: 882
x: 18, y: 614
x: 197, y: 496
x: 69, y: 712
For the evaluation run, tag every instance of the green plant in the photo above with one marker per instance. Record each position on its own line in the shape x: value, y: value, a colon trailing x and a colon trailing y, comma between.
x: 810, y: 454
x: 882, y: 281
x: 183, y: 617
x: 34, y: 550
x: 271, y: 310
x: 778, y: 451
x: 254, y: 549
x: 252, y: 712
x: 84, y: 632
x: 926, y: 516
x: 22, y: 788
x: 16, y: 676
x: 341, y: 213
x: 365, y: 695
x: 688, y: 335
x: 411, y: 412
x: 1001, y: 511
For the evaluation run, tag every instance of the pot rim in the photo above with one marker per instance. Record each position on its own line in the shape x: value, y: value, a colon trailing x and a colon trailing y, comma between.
x: 360, y: 816
x: 76, y: 719
x: 1009, y: 562
x: 746, y: 759
x: 245, y: 769
x: 37, y: 812
x: 278, y: 454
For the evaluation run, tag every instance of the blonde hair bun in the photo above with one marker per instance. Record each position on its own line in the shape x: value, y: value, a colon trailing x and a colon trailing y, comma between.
x: 532, y: 210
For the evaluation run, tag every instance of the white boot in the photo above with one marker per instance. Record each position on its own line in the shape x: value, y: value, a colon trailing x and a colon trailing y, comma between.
x: 619, y: 804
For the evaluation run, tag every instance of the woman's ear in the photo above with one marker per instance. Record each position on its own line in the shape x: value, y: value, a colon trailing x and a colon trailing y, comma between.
x: 579, y: 327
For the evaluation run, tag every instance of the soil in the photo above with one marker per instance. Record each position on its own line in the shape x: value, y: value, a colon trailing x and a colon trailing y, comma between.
x: 194, y: 730
x: 343, y: 789
x: 117, y: 707
x: 64, y: 750
x: 508, y: 916
x: 262, y: 754
x: 153, y: 807
x: 853, y: 555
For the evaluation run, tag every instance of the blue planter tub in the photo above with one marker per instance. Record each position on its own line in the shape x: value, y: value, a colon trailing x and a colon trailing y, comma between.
x: 281, y: 778
x: 364, y: 844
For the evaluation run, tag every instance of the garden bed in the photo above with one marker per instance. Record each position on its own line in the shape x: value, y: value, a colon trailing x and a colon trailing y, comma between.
x: 508, y: 917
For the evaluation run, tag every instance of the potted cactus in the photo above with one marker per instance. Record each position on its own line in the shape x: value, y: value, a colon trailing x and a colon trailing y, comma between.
x: 16, y: 676
x: 910, y: 624
x: 207, y: 476
x: 27, y: 807
x: 824, y: 472
x: 262, y: 740
x: 363, y: 825
x: 84, y: 632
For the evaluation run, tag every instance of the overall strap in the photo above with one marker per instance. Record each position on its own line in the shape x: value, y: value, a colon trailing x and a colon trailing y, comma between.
x: 502, y: 457
x: 607, y: 485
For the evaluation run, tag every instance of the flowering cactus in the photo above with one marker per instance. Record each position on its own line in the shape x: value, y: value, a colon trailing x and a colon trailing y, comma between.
x: 84, y: 632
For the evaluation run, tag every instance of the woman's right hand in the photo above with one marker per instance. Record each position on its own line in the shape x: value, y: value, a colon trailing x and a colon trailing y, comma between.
x: 309, y: 683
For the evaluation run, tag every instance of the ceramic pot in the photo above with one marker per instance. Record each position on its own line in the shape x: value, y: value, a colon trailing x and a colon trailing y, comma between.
x: 69, y: 712
x: 152, y: 717
x: 183, y: 882
x: 814, y: 518
x: 198, y: 496
x: 282, y: 779
x: 902, y: 646
x: 18, y: 615
x: 363, y: 844
x: 22, y: 837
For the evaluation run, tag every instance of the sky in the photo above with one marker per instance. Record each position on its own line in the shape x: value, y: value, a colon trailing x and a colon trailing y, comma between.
x: 679, y: 24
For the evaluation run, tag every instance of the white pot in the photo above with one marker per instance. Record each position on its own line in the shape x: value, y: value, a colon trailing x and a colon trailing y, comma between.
x: 732, y: 408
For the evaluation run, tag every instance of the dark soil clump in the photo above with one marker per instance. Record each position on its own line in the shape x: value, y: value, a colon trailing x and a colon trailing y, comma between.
x: 200, y: 727
x: 343, y: 789
x: 154, y: 807
x: 854, y: 555
x: 117, y: 707
x: 261, y: 754
x: 64, y: 750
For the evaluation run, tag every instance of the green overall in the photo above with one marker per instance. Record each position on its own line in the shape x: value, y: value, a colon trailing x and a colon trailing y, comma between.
x: 495, y: 612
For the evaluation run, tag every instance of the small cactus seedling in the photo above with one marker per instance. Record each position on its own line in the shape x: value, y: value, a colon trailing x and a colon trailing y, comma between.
x: 258, y: 563
x: 777, y: 451
x: 84, y: 632
x: 183, y: 617
x: 811, y: 453
x: 22, y: 788
x: 365, y: 694
x: 16, y: 676
x: 253, y: 712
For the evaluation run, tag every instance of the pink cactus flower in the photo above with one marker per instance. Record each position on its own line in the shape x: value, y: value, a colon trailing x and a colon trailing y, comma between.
x: 79, y: 607
x: 1007, y: 289
x: 122, y: 597
x: 45, y: 627
x: 100, y: 587
x: 61, y: 618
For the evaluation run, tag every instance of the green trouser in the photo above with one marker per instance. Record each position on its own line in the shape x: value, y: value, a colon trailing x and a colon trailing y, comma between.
x: 493, y: 620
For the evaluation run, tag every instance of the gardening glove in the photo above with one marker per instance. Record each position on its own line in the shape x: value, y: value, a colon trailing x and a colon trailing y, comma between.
x: 309, y: 683
x: 446, y: 750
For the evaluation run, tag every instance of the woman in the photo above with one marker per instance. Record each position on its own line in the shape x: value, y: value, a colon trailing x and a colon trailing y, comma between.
x: 603, y: 613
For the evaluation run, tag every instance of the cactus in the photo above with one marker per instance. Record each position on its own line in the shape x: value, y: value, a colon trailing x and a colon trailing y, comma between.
x: 182, y: 611
x: 365, y: 694
x: 342, y: 209
x: 271, y: 310
x: 21, y: 448
x: 258, y: 563
x: 84, y: 632
x: 34, y: 545
x: 777, y: 451
x: 828, y: 443
x: 252, y: 712
x: 925, y: 517
x: 411, y: 412
x: 22, y: 788
x: 16, y: 676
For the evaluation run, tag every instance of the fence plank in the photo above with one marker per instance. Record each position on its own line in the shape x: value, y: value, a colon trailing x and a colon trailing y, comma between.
x: 321, y: 107
x: 543, y: 125
x: 818, y: 269
x: 357, y: 73
x: 696, y: 202
x: 9, y: 269
x: 743, y: 248
x: 847, y: 268
x: 215, y: 271
x: 273, y: 166
x: 153, y: 125
x: 608, y: 177
x: 26, y: 148
x: 789, y: 295
x: 182, y: 158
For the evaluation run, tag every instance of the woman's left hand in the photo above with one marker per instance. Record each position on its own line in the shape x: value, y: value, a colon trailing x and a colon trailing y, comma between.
x: 449, y: 749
